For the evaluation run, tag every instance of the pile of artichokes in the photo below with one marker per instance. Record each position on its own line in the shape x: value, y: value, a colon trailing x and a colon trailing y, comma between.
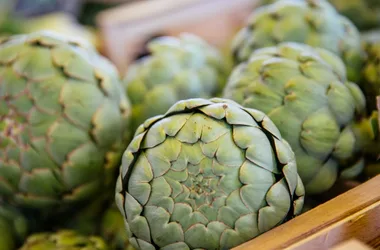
x: 185, y: 150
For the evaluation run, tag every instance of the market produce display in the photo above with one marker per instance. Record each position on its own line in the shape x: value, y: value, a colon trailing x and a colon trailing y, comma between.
x: 304, y: 91
x: 176, y: 69
x: 64, y: 122
x: 63, y: 240
x: 192, y: 146
x: 208, y: 174
x: 313, y: 22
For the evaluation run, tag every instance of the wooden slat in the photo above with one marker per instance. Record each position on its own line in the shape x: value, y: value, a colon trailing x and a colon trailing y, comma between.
x: 352, y: 245
x: 125, y: 29
x: 356, y: 212
x: 363, y: 225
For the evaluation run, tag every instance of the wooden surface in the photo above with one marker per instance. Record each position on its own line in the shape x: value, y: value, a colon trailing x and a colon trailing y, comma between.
x: 352, y: 244
x: 354, y: 214
x: 127, y: 28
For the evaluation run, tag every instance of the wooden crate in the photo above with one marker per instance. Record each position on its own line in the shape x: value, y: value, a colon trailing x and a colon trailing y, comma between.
x: 349, y: 221
x: 353, y: 214
x: 126, y: 29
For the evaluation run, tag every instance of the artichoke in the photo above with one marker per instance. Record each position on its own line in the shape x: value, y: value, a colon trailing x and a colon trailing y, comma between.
x: 63, y: 122
x: 365, y: 14
x: 304, y: 91
x: 176, y: 69
x: 371, y: 71
x: 113, y: 229
x: 63, y: 240
x: 13, y: 227
x: 208, y: 174
x: 313, y: 22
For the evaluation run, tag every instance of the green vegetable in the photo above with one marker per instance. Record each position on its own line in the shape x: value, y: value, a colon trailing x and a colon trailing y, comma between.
x: 304, y: 91
x: 208, y: 174
x: 176, y: 69
x: 313, y: 22
x: 63, y: 240
x: 365, y: 14
x: 63, y: 122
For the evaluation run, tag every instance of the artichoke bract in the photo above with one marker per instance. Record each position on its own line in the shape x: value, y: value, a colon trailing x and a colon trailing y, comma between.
x: 63, y: 240
x: 176, y: 69
x: 304, y: 91
x: 63, y: 121
x: 13, y: 227
x: 208, y: 174
x: 313, y: 22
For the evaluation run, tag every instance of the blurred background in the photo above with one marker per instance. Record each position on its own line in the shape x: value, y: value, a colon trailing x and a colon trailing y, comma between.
x: 69, y: 17
x: 120, y: 29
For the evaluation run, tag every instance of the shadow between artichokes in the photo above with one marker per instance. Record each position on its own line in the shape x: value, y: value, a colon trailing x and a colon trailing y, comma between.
x: 13, y: 227
x: 63, y: 122
x: 208, y: 174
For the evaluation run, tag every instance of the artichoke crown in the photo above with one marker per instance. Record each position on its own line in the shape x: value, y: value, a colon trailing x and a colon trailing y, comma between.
x: 63, y: 121
x: 313, y: 22
x: 304, y: 91
x: 176, y: 69
x: 208, y: 174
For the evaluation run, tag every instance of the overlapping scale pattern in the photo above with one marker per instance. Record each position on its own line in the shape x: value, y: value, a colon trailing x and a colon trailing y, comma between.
x: 313, y: 22
x: 209, y: 174
x: 63, y: 121
x: 304, y: 91
x: 177, y: 68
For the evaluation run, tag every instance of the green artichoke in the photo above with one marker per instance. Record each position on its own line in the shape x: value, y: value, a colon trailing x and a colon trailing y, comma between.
x: 313, y: 22
x: 371, y: 71
x: 13, y: 227
x: 176, y: 69
x: 304, y: 91
x: 208, y: 174
x: 113, y: 229
x: 63, y: 122
x: 365, y: 14
x: 63, y: 240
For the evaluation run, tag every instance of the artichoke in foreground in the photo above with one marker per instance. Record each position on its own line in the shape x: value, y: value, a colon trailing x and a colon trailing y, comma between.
x: 208, y: 174
x: 313, y: 22
x: 112, y: 229
x: 63, y: 122
x: 63, y: 240
x: 176, y: 69
x: 304, y: 91
x: 13, y: 227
